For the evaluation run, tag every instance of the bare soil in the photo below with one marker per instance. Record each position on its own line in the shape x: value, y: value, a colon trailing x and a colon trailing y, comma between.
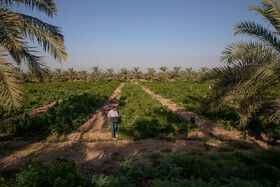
x: 205, y: 128
x: 93, y: 149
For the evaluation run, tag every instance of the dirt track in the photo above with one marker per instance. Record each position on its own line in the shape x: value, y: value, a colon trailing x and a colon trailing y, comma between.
x: 205, y: 128
x: 93, y: 149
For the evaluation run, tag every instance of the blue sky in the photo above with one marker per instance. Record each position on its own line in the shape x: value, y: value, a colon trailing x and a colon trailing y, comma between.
x: 147, y: 33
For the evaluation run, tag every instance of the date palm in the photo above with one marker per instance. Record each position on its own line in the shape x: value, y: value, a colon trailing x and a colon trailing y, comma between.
x: 252, y: 68
x: 189, y: 73
x: 46, y: 72
x: 96, y: 72
x: 124, y: 74
x: 203, y: 71
x: 58, y: 74
x: 163, y: 69
x: 15, y: 29
x: 82, y: 75
x: 163, y: 75
x: 175, y: 73
x: 136, y: 73
x: 110, y: 74
x: 151, y: 74
x: 189, y: 70
x: 72, y: 73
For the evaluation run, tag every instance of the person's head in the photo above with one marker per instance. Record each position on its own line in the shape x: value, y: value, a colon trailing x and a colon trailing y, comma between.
x: 114, y: 108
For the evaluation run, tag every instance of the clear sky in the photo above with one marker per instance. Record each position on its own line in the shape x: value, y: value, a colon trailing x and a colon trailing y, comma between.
x: 147, y: 33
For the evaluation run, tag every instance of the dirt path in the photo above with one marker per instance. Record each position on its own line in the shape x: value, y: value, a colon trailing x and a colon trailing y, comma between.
x: 94, y: 156
x: 94, y: 128
x: 205, y: 128
x: 93, y: 149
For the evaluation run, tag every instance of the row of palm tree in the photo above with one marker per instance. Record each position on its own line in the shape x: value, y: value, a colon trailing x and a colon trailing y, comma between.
x: 96, y: 74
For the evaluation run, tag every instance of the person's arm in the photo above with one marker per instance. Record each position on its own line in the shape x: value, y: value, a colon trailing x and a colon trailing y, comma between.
x: 109, y: 114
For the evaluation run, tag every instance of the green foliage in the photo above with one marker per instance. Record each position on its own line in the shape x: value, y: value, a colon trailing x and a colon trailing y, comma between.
x: 226, y: 114
x: 193, y: 169
x: 129, y: 172
x: 60, y: 174
x: 141, y: 116
x: 180, y: 93
x: 252, y: 68
x: 63, y: 117
x: 32, y: 174
x: 104, y: 181
x: 18, y: 31
x: 39, y: 94
x: 262, y: 123
x: 194, y: 182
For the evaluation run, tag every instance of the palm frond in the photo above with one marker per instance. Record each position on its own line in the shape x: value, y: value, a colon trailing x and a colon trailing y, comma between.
x: 10, y: 35
x: 259, y: 32
x: 10, y: 90
x: 47, y: 35
x: 244, y: 50
x: 270, y: 10
x: 245, y: 81
x: 46, y: 6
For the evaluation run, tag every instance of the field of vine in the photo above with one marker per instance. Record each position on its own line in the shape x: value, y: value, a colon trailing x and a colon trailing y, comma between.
x: 142, y: 116
x: 63, y: 117
x: 39, y: 94
x: 180, y: 93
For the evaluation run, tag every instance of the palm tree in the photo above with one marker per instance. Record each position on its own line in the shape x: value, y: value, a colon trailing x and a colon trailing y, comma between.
x: 124, y: 74
x: 83, y: 75
x: 163, y: 74
x: 57, y: 73
x: 252, y: 68
x: 151, y: 74
x: 189, y: 74
x: 136, y: 72
x: 46, y: 73
x: 72, y: 73
x: 189, y: 70
x: 177, y: 69
x: 16, y: 28
x: 176, y: 72
x: 163, y: 69
x: 96, y: 72
x: 203, y: 71
x: 110, y: 74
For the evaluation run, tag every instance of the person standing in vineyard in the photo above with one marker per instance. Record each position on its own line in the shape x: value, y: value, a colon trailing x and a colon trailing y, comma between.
x: 113, y: 116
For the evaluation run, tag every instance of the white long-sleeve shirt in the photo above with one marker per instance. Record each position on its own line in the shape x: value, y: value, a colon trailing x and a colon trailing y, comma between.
x: 113, y: 113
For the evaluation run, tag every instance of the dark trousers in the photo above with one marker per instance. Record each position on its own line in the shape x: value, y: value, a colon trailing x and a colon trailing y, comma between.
x: 114, y: 126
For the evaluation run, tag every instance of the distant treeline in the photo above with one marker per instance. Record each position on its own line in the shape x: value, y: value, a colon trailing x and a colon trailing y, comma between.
x: 96, y: 74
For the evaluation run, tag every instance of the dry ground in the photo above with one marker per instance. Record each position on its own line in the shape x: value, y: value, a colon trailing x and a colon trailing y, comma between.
x: 92, y: 147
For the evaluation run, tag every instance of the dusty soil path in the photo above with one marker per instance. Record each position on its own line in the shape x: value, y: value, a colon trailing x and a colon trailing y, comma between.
x: 93, y: 149
x: 94, y: 156
x: 95, y: 128
x: 205, y: 128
